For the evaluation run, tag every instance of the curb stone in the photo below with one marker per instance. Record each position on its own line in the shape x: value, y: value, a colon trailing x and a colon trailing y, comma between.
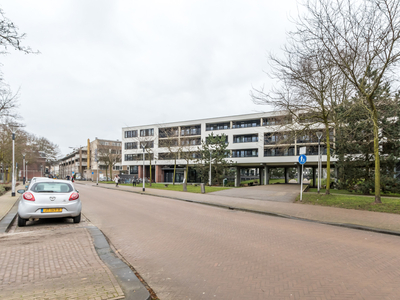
x: 9, y: 218
x: 132, y: 287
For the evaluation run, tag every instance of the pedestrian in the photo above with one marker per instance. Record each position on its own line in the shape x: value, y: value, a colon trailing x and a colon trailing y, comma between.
x: 116, y: 180
x: 134, y: 181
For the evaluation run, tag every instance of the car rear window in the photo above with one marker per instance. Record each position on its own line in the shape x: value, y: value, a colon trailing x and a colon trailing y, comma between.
x: 51, y: 187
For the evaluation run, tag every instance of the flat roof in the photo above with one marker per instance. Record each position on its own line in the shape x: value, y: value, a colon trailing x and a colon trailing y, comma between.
x: 214, y: 119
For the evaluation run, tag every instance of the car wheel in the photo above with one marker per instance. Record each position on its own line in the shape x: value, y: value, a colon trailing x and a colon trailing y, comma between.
x: 21, y: 222
x: 77, y: 219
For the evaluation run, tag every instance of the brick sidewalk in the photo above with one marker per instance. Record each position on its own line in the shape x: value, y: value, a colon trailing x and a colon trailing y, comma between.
x: 383, y: 222
x: 54, y: 263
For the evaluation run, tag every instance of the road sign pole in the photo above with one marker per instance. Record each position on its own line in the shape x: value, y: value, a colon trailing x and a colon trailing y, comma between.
x: 302, y: 161
x: 301, y: 184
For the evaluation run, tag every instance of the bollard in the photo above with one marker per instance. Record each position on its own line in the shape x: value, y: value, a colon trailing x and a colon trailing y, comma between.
x: 203, y: 188
x: 184, y: 187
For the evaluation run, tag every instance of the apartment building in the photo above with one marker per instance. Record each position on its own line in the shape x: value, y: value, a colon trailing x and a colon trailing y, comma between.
x: 255, y: 141
x: 102, y: 154
x: 73, y: 164
x: 92, y: 161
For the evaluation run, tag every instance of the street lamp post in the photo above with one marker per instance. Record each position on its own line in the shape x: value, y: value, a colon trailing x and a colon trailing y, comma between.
x: 143, y: 146
x: 319, y: 135
x: 23, y: 168
x: 13, y: 163
x: 26, y: 171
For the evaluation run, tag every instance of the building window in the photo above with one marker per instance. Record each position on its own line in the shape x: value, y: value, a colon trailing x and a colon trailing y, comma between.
x: 130, y: 133
x: 245, y: 153
x: 281, y: 120
x: 168, y: 132
x: 131, y: 157
x: 279, y: 151
x: 313, y: 150
x: 276, y: 137
x: 129, y: 146
x: 147, y: 144
x: 245, y: 124
x: 192, y: 130
x: 308, y: 118
x: 168, y: 143
x: 245, y: 138
x: 190, y: 142
x: 133, y: 170
x: 167, y: 156
x: 147, y: 132
x: 218, y: 126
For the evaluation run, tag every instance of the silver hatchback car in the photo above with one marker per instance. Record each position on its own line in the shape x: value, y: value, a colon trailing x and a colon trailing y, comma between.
x: 49, y: 198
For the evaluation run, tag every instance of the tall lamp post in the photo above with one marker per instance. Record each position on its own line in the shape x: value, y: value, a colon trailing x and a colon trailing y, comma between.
x: 143, y: 146
x: 319, y: 135
x: 23, y: 168
x: 26, y: 171
x: 13, y: 161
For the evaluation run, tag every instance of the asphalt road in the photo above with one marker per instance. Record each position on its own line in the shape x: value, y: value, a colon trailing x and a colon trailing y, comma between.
x: 192, y: 251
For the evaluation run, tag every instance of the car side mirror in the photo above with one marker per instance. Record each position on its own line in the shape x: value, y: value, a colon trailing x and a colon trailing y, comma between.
x: 21, y: 191
x: 77, y: 191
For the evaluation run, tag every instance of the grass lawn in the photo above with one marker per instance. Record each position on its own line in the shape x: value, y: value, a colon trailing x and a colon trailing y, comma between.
x: 345, y: 192
x: 389, y: 205
x: 176, y: 187
x: 279, y: 180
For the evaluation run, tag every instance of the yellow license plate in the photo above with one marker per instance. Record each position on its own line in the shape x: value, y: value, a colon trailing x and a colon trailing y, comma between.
x: 51, y: 210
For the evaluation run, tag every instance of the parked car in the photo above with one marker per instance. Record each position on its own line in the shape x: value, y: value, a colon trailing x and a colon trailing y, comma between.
x: 49, y: 198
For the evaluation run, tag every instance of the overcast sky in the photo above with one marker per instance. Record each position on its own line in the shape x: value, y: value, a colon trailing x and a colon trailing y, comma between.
x: 104, y: 65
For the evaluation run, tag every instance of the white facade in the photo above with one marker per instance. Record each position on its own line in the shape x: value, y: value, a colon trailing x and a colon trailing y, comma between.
x: 260, y: 145
x: 249, y: 139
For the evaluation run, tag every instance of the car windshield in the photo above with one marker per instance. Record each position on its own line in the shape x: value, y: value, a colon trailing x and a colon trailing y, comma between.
x: 51, y: 187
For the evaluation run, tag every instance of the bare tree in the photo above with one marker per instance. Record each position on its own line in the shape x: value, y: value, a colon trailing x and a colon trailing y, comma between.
x: 110, y: 156
x: 310, y: 89
x: 9, y: 38
x: 9, y: 35
x: 358, y: 37
x: 350, y: 38
x: 8, y: 103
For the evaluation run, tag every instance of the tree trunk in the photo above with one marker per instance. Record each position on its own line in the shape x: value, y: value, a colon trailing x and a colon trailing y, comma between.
x: 150, y: 171
x: 173, y: 178
x: 376, y: 154
x: 377, y: 164
x: 328, y: 162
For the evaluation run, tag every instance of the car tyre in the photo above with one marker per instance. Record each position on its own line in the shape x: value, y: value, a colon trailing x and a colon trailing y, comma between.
x: 77, y: 219
x: 21, y: 222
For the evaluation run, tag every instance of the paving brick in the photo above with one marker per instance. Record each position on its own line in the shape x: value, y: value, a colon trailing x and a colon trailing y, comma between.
x: 53, y: 261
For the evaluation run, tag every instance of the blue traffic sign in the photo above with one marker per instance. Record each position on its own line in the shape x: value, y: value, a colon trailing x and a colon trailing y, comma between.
x: 302, y: 159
